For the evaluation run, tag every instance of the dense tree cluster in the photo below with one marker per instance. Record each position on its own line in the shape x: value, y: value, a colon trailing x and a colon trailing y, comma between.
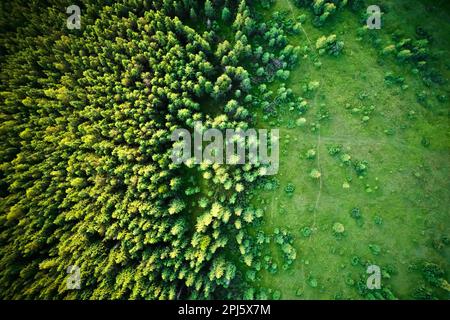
x: 86, y: 174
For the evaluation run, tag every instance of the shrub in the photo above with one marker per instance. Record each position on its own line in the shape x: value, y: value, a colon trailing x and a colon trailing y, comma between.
x: 433, y: 274
x: 289, y: 189
x: 329, y: 45
x: 355, y: 213
x: 338, y: 228
x: 306, y: 232
x: 345, y: 158
x: 334, y: 150
x: 315, y: 174
x: 375, y: 249
x: 276, y: 295
x: 311, y: 154
x: 249, y: 294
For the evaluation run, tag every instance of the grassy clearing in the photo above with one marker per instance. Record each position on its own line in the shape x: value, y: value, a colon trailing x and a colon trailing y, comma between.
x: 406, y: 185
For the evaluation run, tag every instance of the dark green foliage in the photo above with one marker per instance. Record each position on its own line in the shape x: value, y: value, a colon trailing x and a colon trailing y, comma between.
x: 360, y: 167
x: 226, y: 14
x: 356, y: 213
x: 424, y: 293
x: 276, y: 295
x: 433, y: 274
x: 324, y: 9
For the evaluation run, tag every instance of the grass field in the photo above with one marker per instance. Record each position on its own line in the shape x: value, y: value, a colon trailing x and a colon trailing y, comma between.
x: 403, y: 197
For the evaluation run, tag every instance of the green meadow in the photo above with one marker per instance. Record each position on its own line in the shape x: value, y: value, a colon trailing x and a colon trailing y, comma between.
x: 400, y: 199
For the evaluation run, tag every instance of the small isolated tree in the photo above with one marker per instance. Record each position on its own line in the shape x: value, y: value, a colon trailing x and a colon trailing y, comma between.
x: 249, y: 294
x: 192, y: 14
x: 176, y: 206
x: 329, y: 45
x: 315, y: 174
x: 404, y: 55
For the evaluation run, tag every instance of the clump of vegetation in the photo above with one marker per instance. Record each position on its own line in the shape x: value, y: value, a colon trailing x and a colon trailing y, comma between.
x: 345, y: 158
x: 285, y: 240
x: 324, y: 9
x: 434, y: 275
x: 329, y: 44
x: 311, y: 154
x: 355, y: 213
x: 289, y: 189
x: 365, y: 111
x: 312, y: 281
x: 441, y: 242
x: 315, y: 174
x: 311, y: 86
x: 391, y: 79
x: 276, y: 295
x: 334, y: 150
x: 86, y: 176
x: 425, y: 142
x: 301, y: 122
x: 375, y: 249
x: 338, y: 228
x: 378, y: 220
x: 424, y: 293
x: 360, y: 167
x: 87, y: 147
x: 355, y: 260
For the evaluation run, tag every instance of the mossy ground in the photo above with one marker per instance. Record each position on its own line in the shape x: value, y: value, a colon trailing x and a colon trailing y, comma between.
x: 406, y: 183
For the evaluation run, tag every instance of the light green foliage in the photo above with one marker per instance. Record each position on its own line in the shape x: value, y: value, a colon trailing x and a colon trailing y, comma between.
x: 85, y: 171
x: 86, y: 148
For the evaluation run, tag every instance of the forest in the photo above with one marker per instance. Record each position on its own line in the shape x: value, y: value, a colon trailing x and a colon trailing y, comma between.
x: 87, y: 181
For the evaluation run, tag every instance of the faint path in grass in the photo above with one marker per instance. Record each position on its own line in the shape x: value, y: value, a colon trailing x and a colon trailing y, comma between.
x: 319, y: 167
x: 301, y: 25
x: 318, y: 145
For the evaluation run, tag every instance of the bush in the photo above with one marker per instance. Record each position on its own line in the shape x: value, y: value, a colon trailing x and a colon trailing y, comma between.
x: 290, y: 188
x: 311, y: 154
x: 355, y: 213
x: 433, y: 274
x: 306, y: 232
x: 334, y: 150
x: 360, y: 167
x: 329, y: 45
